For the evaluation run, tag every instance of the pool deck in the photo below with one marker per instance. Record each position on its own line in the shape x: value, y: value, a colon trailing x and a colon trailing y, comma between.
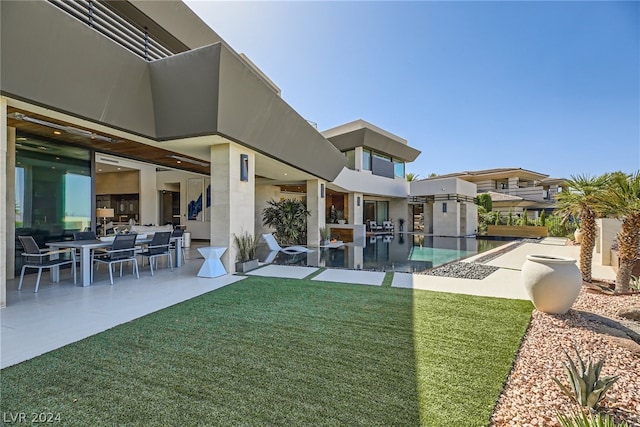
x: 62, y: 313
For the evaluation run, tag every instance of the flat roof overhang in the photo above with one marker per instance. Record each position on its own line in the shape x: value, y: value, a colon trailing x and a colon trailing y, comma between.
x: 62, y: 65
x: 371, y: 139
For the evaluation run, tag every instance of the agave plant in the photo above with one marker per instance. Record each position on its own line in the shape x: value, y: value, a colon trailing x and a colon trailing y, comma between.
x: 585, y: 385
x: 583, y: 198
x: 592, y: 420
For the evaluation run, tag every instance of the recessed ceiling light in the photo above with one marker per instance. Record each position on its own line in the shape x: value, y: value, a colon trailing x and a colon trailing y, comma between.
x: 99, y: 170
x: 57, y: 132
x: 119, y: 168
x: 21, y: 138
x: 178, y: 161
x: 285, y: 174
x: 42, y: 147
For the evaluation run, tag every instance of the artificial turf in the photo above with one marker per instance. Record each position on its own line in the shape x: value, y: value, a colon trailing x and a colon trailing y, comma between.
x: 284, y: 352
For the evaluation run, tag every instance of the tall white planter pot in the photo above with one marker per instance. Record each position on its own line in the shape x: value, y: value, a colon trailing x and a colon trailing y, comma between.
x: 552, y: 283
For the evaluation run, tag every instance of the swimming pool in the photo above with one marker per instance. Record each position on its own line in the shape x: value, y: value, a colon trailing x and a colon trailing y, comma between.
x: 402, y: 252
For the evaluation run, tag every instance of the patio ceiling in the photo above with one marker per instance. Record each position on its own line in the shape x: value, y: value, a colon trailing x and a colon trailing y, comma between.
x: 73, y: 131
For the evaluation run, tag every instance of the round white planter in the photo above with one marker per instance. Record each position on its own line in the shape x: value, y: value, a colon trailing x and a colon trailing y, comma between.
x: 552, y: 283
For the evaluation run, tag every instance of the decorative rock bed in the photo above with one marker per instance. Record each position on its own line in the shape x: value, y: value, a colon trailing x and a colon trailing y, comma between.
x: 462, y: 270
x: 531, y: 398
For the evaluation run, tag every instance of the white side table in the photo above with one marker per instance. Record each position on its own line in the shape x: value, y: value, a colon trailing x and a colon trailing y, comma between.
x: 212, y: 266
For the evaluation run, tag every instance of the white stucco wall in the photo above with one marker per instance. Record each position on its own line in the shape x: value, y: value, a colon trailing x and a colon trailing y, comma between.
x: 365, y: 182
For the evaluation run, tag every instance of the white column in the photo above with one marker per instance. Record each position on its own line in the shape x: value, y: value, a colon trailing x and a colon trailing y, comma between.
x: 232, y: 200
x: 3, y: 196
x: 148, y: 204
x: 316, y: 205
x: 356, y: 208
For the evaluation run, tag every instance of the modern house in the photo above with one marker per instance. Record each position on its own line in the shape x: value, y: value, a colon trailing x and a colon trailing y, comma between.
x: 140, y: 107
x: 515, y: 189
x: 444, y: 206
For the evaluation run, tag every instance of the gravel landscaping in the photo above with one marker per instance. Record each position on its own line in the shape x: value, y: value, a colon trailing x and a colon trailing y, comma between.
x: 531, y: 398
x: 463, y: 270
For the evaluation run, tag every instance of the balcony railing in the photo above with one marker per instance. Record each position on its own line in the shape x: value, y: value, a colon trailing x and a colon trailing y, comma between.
x: 107, y: 22
x: 530, y: 193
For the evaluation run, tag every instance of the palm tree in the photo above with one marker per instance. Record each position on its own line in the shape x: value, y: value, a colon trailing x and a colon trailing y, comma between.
x: 582, y: 199
x: 412, y: 176
x: 623, y: 202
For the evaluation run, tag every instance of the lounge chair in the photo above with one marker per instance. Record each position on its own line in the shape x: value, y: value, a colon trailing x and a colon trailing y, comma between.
x: 373, y: 226
x: 273, y: 245
x: 387, y: 226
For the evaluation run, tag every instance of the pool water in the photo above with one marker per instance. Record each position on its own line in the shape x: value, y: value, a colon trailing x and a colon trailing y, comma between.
x: 391, y: 252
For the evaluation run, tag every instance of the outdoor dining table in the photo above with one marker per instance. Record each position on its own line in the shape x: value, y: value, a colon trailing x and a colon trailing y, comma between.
x: 85, y: 247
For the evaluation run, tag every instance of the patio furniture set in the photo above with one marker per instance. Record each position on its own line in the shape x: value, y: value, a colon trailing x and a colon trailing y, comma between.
x: 121, y: 249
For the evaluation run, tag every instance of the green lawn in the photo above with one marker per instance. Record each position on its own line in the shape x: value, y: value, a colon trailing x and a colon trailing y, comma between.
x: 284, y: 352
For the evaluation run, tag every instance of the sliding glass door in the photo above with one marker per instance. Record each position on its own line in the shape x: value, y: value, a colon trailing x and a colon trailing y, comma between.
x: 53, y: 190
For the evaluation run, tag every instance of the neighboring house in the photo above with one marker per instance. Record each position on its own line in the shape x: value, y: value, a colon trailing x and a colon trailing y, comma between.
x: 444, y: 207
x: 515, y: 189
x: 140, y: 107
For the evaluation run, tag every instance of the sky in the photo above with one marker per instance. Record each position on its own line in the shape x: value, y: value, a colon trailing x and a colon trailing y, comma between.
x: 552, y: 87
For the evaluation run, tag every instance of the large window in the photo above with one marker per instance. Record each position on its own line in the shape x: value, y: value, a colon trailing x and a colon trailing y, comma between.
x: 351, y: 159
x: 366, y: 160
x: 53, y: 190
x: 398, y: 168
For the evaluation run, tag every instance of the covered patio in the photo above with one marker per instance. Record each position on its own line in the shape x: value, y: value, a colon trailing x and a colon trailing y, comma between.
x: 60, y: 313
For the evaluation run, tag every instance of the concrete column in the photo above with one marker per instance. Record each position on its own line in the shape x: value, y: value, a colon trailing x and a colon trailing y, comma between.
x: 11, y: 202
x: 358, y: 162
x: 607, y: 228
x: 356, y: 208
x: 3, y: 196
x: 148, y: 204
x: 316, y: 205
x: 513, y: 186
x: 233, y: 200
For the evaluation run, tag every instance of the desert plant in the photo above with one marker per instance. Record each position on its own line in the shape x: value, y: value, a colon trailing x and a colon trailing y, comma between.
x: 325, y: 233
x: 585, y: 385
x: 592, y: 420
x: 582, y: 198
x: 523, y: 219
x: 634, y: 283
x: 498, y: 219
x: 543, y: 218
x: 246, y: 243
x: 484, y: 200
x: 289, y: 219
x: 510, y: 218
x: 622, y: 200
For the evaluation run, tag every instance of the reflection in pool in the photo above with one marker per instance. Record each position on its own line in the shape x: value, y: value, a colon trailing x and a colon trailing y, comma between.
x: 402, y: 252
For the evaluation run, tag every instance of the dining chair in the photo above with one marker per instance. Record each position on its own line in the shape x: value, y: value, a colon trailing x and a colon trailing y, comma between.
x: 179, y: 232
x: 34, y: 257
x: 158, y: 247
x: 122, y: 250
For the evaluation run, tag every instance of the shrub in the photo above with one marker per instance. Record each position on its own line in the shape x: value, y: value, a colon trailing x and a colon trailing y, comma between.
x: 246, y: 244
x: 592, y: 420
x: 586, y: 386
x: 543, y: 218
x: 289, y: 218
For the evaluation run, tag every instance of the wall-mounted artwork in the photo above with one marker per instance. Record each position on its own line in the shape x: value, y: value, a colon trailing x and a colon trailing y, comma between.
x: 194, y: 199
x: 207, y: 206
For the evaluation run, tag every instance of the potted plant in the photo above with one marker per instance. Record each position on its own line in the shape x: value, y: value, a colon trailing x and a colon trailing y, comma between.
x: 325, y: 235
x: 246, y: 259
